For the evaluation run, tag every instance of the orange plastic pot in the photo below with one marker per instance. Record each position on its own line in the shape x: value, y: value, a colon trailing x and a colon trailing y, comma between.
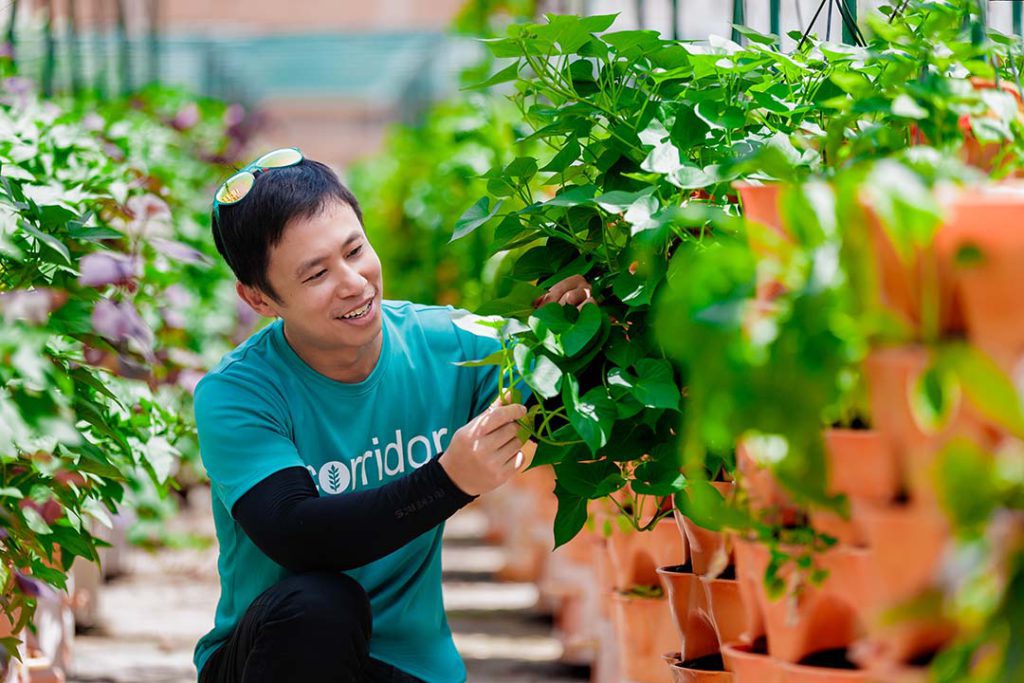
x: 710, y: 552
x: 690, y: 613
x: 725, y: 603
x: 644, y: 632
x: 749, y: 666
x: 862, y: 467
x: 892, y: 373
x: 635, y: 556
x: 705, y: 670
x: 983, y: 241
x: 907, y: 543
x: 766, y: 495
x: 820, y: 617
x: 761, y: 204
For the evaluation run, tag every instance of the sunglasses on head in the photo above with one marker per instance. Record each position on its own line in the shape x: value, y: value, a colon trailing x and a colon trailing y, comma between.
x: 235, y: 188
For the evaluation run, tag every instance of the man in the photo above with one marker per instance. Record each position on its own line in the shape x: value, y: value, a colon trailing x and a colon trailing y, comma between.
x: 338, y: 440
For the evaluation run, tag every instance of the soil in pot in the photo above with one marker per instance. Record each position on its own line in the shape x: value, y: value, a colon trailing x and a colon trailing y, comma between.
x: 750, y: 663
x: 824, y: 666
x: 709, y: 669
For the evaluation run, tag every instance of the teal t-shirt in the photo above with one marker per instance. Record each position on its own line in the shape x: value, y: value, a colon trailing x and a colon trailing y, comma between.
x: 263, y: 409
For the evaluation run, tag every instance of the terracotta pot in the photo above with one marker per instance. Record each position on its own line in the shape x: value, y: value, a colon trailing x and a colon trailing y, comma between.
x: 635, y: 556
x: 765, y: 493
x: 644, y: 632
x: 710, y: 552
x: 907, y: 543
x: 861, y: 466
x: 725, y: 603
x: 800, y: 673
x: 974, y: 152
x: 705, y: 670
x: 750, y: 666
x: 761, y: 206
x: 689, y: 608
x: 822, y: 617
x: 908, y: 283
x: 892, y: 373
x: 986, y: 223
x: 761, y: 203
x: 901, y: 675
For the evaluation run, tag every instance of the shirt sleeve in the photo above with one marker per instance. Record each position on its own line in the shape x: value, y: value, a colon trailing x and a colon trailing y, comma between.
x: 243, y: 435
x: 286, y: 518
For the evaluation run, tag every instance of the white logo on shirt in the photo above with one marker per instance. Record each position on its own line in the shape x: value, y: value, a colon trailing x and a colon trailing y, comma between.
x: 376, y: 464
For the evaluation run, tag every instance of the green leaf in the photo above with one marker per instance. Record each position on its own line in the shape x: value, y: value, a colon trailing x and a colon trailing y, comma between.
x: 73, y: 542
x: 548, y: 323
x: 907, y: 107
x: 495, y: 358
x: 518, y: 303
x: 35, y: 522
x: 47, y: 239
x: 655, y: 385
x: 565, y: 157
x: 592, y: 415
x: 474, y: 217
x: 570, y: 517
x: 986, y: 386
x: 522, y: 168
x: 509, y: 73
x: 571, y: 33
x: 577, y: 337
x: 540, y: 372
x: 590, y: 479
x: 968, y: 484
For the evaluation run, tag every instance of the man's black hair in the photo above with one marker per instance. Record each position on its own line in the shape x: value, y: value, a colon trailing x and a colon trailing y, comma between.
x: 248, y: 230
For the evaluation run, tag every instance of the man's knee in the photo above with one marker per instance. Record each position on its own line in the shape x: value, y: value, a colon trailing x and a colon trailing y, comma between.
x: 329, y: 600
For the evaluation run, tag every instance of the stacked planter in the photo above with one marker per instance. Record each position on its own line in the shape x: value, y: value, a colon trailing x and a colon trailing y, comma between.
x: 890, y: 550
x: 642, y: 619
x: 706, y: 603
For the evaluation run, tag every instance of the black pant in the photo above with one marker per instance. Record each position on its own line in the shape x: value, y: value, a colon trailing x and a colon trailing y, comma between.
x: 307, y: 627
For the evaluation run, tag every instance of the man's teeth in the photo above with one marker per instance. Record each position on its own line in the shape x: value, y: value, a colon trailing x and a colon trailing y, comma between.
x: 358, y: 312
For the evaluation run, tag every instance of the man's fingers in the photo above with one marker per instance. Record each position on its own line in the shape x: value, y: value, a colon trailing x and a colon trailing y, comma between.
x: 505, y: 434
x: 499, y: 416
x: 508, y: 451
x: 575, y: 297
x: 559, y: 289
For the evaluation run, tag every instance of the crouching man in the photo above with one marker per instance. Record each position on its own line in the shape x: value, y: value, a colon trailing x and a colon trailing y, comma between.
x: 338, y: 439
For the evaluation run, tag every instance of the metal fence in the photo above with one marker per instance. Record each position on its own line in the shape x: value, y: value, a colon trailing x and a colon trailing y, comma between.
x: 697, y: 19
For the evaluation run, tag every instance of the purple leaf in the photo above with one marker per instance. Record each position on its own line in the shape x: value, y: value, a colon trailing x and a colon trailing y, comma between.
x: 234, y: 115
x: 189, y: 378
x: 108, y: 268
x: 120, y: 322
x: 179, y: 251
x: 32, y: 306
x: 187, y: 117
x: 29, y: 585
x: 146, y: 207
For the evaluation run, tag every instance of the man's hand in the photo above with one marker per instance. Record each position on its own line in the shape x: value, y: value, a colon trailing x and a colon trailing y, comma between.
x: 487, y: 451
x: 572, y: 291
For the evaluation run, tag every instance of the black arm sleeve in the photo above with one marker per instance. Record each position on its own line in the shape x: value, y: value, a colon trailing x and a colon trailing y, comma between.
x: 302, y: 531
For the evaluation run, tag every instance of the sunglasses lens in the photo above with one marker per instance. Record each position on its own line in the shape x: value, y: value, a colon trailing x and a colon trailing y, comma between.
x: 235, y: 188
x: 279, y: 158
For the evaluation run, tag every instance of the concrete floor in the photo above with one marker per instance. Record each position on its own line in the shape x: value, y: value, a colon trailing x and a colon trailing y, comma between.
x: 151, y: 617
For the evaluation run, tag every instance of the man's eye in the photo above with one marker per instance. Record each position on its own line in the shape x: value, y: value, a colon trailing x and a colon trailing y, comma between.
x: 356, y: 251
x: 317, y: 276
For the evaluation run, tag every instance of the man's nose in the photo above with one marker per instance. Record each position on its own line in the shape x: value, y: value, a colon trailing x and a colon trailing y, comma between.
x: 352, y: 283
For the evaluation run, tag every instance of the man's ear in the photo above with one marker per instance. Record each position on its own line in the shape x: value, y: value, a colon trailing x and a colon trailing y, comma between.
x: 257, y: 300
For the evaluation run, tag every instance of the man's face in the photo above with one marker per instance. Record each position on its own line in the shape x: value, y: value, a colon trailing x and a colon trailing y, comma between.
x: 328, y: 280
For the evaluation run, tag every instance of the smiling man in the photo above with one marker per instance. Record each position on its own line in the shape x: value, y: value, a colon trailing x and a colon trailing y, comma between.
x: 338, y: 439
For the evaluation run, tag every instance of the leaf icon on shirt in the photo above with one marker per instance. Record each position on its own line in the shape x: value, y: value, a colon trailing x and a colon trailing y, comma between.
x: 334, y: 478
